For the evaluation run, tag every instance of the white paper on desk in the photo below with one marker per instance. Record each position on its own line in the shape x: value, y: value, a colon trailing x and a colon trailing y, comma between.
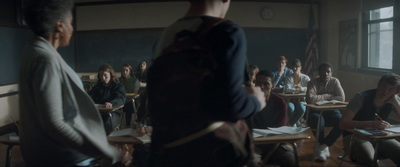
x: 130, y: 132
x: 13, y: 138
x: 324, y: 102
x: 264, y: 132
x: 289, y: 129
x: 394, y: 128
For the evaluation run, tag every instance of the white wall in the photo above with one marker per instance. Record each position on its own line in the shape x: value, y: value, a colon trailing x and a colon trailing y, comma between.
x: 161, y: 14
x: 9, y: 105
x: 332, y: 13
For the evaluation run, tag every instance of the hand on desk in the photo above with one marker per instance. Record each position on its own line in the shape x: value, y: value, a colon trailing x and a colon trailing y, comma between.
x: 107, y: 105
x: 381, y: 124
x: 126, y: 158
x: 144, y: 130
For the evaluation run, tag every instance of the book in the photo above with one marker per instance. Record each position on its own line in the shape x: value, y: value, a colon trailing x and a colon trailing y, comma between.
x: 129, y: 132
x: 372, y: 132
x: 330, y: 102
x: 276, y: 131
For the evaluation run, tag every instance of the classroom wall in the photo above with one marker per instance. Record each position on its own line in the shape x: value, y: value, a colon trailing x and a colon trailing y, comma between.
x: 128, y: 31
x: 161, y: 14
x: 9, y: 104
x: 155, y: 15
x: 332, y: 13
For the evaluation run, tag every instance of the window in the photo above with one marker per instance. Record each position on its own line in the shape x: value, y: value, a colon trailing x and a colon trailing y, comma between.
x: 379, y: 40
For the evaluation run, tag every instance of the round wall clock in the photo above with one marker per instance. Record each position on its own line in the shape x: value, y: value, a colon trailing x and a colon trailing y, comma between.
x: 267, y: 13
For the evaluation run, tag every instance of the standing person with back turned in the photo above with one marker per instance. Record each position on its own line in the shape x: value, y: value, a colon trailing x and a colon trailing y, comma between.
x: 225, y: 97
x: 360, y: 113
x: 325, y: 87
x: 60, y: 125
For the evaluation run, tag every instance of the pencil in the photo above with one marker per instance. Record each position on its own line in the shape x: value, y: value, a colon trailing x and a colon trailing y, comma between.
x: 378, y: 116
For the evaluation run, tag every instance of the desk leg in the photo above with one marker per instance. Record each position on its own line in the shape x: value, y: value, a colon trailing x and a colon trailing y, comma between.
x: 296, y: 153
x: 8, y: 156
x: 134, y: 109
x: 376, y: 154
x: 317, y: 137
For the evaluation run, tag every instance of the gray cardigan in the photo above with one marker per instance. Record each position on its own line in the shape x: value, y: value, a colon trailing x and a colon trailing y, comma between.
x: 60, y: 124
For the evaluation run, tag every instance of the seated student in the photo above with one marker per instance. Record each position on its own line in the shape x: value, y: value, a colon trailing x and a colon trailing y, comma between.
x: 282, y: 73
x: 131, y: 85
x: 142, y: 151
x: 360, y: 113
x: 253, y: 70
x: 273, y: 115
x: 325, y: 87
x: 296, y: 83
x: 109, y: 92
x: 141, y: 73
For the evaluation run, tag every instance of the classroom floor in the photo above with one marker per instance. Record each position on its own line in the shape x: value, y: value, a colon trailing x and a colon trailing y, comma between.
x: 305, y: 155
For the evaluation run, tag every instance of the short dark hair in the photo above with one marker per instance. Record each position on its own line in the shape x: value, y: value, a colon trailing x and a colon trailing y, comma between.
x: 42, y: 15
x: 391, y: 78
x: 324, y: 65
x: 267, y: 74
x: 252, y: 66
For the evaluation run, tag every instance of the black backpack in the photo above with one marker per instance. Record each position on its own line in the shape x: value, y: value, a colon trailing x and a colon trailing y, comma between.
x: 179, y: 77
x: 179, y: 83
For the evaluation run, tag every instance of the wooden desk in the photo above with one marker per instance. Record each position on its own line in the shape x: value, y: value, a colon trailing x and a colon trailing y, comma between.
x: 284, y: 138
x: 5, y: 139
x: 390, y: 135
x: 101, y: 108
x: 288, y: 96
x: 321, y: 109
x: 126, y: 140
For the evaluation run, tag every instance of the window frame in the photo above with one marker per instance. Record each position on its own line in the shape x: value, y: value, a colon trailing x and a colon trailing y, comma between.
x: 396, y: 42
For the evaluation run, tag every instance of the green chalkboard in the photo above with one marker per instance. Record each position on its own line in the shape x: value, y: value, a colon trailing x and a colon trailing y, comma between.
x: 117, y: 47
x: 114, y: 47
x: 265, y: 45
x: 12, y: 42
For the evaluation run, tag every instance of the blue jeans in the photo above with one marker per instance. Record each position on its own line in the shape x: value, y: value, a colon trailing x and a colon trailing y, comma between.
x: 330, y: 119
x: 295, y: 111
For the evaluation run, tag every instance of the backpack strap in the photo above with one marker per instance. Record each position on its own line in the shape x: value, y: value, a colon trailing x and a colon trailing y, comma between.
x: 196, y: 135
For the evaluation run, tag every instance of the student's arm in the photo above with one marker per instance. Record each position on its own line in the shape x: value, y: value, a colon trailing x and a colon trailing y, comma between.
x: 277, y: 78
x: 312, y: 95
x: 339, y: 92
x: 347, y: 122
x: 119, y: 95
x: 229, y: 43
x: 289, y: 83
x: 282, y: 111
x: 395, y: 101
x: 137, y: 86
x: 304, y: 81
x: 49, y: 99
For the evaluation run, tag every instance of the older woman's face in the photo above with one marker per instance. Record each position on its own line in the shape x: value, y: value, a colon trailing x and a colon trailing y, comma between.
x: 68, y: 29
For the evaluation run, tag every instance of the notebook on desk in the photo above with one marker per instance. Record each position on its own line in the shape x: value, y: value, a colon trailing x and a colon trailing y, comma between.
x: 279, y: 130
x: 372, y: 132
x: 394, y: 128
x: 324, y: 102
x: 130, y: 132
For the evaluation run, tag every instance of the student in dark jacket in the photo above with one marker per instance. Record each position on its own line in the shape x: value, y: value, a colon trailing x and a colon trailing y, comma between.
x: 109, y: 93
